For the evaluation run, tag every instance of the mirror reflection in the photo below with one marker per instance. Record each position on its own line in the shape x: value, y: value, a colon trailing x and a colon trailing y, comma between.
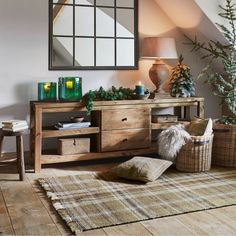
x: 62, y: 21
x: 125, y: 3
x: 84, y: 51
x: 62, y: 51
x: 84, y: 14
x: 105, y: 55
x: 125, y: 23
x: 125, y: 52
x: 84, y: 2
x: 105, y: 2
x: 88, y: 36
x: 63, y: 1
x: 105, y: 22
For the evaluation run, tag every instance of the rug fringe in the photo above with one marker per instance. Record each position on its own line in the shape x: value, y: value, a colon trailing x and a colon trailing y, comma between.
x: 48, y: 190
x: 59, y: 207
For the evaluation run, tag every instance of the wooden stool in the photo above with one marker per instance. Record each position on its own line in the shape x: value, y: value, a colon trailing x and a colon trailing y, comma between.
x: 19, y: 149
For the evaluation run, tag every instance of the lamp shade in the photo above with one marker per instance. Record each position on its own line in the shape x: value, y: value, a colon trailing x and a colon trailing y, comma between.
x: 159, y: 47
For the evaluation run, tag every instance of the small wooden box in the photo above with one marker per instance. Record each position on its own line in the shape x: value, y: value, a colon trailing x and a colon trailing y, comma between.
x: 73, y: 146
x: 164, y: 118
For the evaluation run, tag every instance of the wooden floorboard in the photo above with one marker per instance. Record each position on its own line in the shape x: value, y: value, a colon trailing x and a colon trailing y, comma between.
x: 166, y: 226
x: 226, y: 216
x: 203, y: 223
x: 5, y: 222
x: 128, y: 229
x: 47, y: 205
x: 27, y: 214
x: 25, y: 210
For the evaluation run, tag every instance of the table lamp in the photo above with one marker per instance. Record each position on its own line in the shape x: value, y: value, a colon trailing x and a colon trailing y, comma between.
x: 159, y: 48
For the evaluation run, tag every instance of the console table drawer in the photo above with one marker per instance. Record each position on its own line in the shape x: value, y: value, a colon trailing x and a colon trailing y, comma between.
x: 115, y: 140
x: 125, y: 119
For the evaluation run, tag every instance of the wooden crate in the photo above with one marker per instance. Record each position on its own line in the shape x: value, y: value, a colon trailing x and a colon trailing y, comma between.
x: 73, y: 146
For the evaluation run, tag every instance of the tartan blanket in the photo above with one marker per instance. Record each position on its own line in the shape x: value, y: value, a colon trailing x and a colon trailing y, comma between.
x: 91, y: 200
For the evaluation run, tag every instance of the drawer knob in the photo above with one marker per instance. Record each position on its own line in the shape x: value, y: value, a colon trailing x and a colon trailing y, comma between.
x: 125, y: 140
x: 124, y: 119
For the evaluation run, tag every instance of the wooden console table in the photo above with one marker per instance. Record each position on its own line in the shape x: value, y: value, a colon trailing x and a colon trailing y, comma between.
x: 119, y: 128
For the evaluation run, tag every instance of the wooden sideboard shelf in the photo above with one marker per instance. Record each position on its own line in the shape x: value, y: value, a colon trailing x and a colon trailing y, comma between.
x: 55, y: 158
x: 167, y: 124
x: 119, y: 128
x: 52, y: 133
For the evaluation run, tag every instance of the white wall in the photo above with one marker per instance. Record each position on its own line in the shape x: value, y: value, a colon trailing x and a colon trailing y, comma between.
x: 192, y: 20
x: 24, y: 56
x: 212, y: 10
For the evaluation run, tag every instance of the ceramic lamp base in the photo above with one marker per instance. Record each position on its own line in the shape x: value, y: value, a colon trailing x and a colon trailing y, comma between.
x: 159, y: 74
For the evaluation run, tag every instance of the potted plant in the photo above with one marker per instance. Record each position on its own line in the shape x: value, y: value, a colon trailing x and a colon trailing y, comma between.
x: 181, y: 81
x: 223, y: 86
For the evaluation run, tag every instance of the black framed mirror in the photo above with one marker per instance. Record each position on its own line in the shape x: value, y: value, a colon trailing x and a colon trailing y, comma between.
x: 93, y: 34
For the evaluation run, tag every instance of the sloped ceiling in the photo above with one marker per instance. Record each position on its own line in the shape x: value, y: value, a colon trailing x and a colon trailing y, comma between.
x: 192, y: 17
x: 196, y: 18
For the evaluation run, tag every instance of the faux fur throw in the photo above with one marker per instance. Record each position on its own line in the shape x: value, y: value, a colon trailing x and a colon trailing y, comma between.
x: 171, y: 140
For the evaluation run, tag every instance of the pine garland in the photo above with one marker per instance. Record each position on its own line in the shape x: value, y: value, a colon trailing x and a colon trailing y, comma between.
x: 222, y: 86
x: 106, y: 95
x: 181, y: 81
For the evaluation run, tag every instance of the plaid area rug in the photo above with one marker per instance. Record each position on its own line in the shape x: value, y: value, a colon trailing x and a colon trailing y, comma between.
x: 88, y: 201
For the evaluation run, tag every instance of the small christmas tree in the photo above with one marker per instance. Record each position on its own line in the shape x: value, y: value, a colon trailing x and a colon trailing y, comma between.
x: 223, y: 86
x: 181, y: 82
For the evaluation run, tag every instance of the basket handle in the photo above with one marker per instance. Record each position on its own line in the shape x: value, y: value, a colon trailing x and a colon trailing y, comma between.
x: 201, y: 142
x: 221, y: 130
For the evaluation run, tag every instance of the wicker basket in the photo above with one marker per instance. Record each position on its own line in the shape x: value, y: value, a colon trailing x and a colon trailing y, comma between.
x: 195, y: 155
x: 224, y: 145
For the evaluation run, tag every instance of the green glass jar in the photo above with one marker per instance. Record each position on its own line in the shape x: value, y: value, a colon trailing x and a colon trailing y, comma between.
x: 70, y: 88
x: 47, y: 91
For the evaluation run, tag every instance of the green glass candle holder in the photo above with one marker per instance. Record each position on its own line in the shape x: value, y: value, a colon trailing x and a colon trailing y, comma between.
x: 47, y: 91
x: 70, y: 88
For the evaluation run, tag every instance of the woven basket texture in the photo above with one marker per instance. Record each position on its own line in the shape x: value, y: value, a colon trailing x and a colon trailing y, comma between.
x: 224, y: 145
x: 195, y: 155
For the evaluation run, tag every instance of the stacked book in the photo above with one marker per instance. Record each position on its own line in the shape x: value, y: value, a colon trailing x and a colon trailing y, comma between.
x: 71, y: 125
x: 14, y: 125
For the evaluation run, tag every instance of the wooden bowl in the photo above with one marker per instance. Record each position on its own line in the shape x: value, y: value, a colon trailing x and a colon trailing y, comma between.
x: 141, y: 97
x: 77, y: 119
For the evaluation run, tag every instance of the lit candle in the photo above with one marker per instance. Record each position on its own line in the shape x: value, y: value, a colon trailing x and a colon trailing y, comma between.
x: 47, y: 87
x: 139, y: 89
x: 69, y: 84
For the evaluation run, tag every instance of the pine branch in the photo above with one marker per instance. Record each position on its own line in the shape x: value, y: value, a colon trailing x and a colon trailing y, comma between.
x: 214, y: 49
x: 229, y: 14
x: 224, y: 82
